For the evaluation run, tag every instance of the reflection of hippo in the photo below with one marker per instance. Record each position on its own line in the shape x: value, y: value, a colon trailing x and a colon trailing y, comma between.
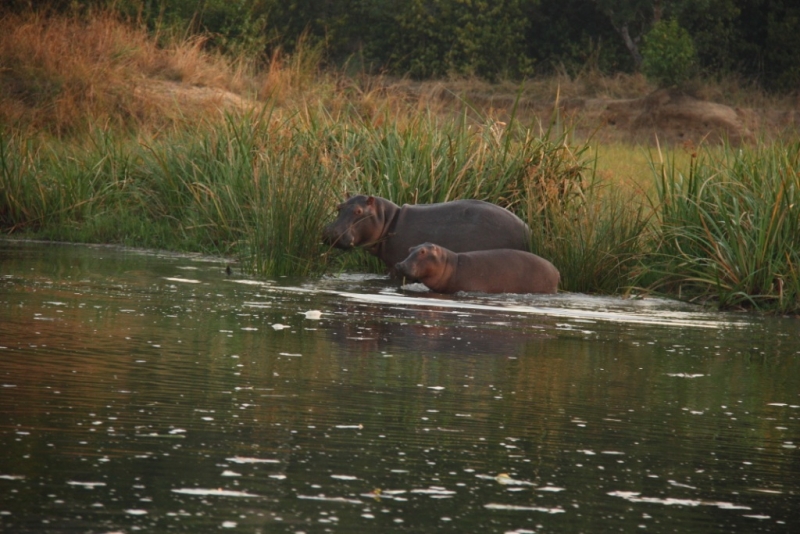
x: 388, y: 231
x: 487, y: 271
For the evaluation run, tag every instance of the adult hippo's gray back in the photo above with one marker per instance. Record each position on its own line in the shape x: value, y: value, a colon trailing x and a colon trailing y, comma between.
x: 387, y: 230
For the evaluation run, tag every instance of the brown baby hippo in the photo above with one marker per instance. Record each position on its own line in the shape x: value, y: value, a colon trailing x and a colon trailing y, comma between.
x: 486, y: 271
x: 387, y: 230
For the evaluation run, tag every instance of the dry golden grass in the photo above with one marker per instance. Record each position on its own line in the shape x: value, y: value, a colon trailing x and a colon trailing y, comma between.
x: 61, y: 72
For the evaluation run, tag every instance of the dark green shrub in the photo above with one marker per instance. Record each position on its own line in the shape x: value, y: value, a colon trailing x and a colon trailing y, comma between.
x: 668, y: 54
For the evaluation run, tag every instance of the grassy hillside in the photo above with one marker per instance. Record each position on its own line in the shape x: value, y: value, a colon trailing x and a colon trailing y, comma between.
x: 113, y: 134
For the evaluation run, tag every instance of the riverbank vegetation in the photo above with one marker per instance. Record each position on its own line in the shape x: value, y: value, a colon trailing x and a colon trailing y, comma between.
x: 113, y: 133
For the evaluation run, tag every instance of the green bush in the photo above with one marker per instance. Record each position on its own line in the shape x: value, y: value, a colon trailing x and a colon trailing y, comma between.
x: 668, y: 54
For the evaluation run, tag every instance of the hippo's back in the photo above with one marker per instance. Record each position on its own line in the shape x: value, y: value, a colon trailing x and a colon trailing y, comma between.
x: 460, y: 225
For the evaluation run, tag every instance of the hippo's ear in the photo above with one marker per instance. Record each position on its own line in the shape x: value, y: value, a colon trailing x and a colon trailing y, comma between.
x: 370, y: 200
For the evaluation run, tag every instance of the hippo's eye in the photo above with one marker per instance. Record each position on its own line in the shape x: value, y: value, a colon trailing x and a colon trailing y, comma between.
x: 359, y: 211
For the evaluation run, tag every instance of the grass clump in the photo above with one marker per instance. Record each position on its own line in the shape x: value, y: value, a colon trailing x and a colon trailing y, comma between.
x: 244, y: 187
x: 729, y: 230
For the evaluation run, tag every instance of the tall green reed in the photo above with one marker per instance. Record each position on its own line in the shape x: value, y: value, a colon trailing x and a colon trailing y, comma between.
x: 593, y: 232
x: 253, y: 186
x: 435, y: 159
x: 729, y: 229
x: 49, y: 187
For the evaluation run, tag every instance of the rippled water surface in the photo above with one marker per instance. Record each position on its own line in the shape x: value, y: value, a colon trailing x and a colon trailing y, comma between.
x: 152, y: 392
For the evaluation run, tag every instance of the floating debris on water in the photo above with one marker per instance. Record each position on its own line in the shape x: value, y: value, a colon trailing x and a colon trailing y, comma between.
x: 330, y: 499
x: 505, y: 479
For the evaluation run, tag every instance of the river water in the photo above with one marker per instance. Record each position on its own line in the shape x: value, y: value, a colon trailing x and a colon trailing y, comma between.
x: 144, y: 391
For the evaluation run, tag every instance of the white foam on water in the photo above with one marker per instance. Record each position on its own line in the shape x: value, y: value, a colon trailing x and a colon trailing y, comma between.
x: 246, y: 460
x: 580, y: 308
x: 87, y: 485
x: 661, y: 317
x: 517, y: 508
x: 633, y: 496
x: 215, y: 492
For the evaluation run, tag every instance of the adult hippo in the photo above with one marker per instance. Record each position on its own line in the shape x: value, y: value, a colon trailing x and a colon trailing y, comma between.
x: 387, y: 230
x: 487, y: 271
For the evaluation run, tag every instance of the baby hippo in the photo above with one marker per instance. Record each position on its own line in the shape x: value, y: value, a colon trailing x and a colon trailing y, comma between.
x: 487, y: 271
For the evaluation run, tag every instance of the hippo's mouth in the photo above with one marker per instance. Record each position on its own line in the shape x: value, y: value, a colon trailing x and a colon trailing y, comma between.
x: 402, y: 270
x: 344, y: 241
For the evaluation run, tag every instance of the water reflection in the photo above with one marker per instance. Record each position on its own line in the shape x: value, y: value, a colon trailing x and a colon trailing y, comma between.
x: 147, y: 391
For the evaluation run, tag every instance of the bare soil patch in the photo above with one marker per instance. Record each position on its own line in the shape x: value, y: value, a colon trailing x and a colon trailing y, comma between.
x: 675, y: 117
x: 666, y: 116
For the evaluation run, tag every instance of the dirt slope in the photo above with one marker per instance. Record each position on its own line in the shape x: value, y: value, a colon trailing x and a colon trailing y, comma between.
x: 664, y: 116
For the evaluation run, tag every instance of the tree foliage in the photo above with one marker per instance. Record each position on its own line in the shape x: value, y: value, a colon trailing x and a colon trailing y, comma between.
x: 668, y: 56
x: 756, y: 39
x: 463, y: 37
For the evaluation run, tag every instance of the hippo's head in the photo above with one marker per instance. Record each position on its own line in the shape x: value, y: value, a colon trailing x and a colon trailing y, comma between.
x: 356, y: 224
x: 423, y: 261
